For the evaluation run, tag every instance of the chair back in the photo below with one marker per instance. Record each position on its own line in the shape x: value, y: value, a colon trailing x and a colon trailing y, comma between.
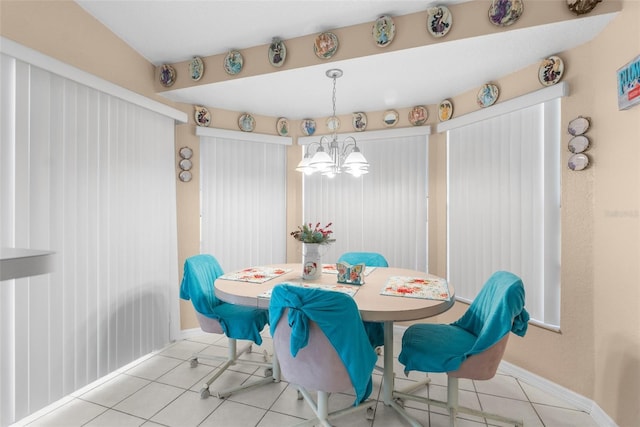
x: 200, y: 273
x: 497, y: 310
x: 371, y: 259
x: 316, y: 366
x: 482, y: 366
x: 318, y: 336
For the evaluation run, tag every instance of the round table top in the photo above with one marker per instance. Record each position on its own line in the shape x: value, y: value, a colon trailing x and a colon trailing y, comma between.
x: 373, y: 306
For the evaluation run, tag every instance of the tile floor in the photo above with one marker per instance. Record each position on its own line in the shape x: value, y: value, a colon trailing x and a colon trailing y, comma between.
x: 163, y: 390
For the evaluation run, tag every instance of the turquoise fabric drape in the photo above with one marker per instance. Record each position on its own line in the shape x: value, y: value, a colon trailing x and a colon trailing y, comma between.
x: 338, y: 317
x: 497, y: 310
x: 239, y: 322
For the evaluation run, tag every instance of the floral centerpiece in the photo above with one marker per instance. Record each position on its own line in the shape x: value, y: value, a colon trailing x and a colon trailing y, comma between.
x: 306, y: 233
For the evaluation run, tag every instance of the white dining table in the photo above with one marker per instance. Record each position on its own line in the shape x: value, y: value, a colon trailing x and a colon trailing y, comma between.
x: 373, y: 306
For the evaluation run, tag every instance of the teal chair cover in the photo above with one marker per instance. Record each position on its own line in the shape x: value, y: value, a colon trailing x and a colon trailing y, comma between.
x: 337, y: 315
x: 238, y: 322
x: 497, y: 310
x: 375, y: 330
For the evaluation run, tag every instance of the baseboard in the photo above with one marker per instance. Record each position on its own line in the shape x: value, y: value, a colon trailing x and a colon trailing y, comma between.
x: 575, y: 399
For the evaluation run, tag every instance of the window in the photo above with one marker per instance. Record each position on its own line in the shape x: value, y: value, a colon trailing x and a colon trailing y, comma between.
x: 89, y: 176
x: 243, y: 198
x: 383, y: 211
x: 503, y: 206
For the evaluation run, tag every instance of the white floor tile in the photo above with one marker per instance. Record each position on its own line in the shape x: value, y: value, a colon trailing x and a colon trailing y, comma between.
x: 184, y: 376
x: 188, y: 410
x: 149, y: 400
x: 113, y: 418
x: 232, y: 414
x: 262, y: 396
x: 75, y: 413
x: 512, y: 408
x: 183, y: 349
x: 115, y: 390
x: 560, y: 417
x: 154, y: 367
x: 275, y: 419
x: 501, y: 385
x: 536, y: 395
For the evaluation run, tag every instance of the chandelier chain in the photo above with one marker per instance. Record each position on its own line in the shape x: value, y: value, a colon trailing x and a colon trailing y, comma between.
x: 334, y: 131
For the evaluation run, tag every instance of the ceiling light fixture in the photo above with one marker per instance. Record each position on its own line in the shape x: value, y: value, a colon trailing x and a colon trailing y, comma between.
x: 330, y: 156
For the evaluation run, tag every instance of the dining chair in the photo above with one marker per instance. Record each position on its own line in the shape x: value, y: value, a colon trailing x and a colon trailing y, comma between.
x: 375, y: 330
x: 215, y: 316
x: 471, y: 347
x: 321, y: 345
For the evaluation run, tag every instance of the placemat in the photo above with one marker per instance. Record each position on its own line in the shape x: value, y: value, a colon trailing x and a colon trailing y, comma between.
x: 255, y: 274
x: 417, y: 287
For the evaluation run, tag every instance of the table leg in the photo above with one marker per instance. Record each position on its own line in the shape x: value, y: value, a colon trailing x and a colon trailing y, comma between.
x: 388, y: 375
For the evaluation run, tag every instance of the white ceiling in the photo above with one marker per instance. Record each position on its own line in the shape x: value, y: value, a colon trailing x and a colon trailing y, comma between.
x: 168, y: 31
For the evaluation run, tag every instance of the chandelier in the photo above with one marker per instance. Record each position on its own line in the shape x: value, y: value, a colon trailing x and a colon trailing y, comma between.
x: 330, y: 156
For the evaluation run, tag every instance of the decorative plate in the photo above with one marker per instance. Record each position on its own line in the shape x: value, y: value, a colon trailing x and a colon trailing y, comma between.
x: 185, y: 164
x: 246, y: 122
x: 418, y: 115
x: 282, y: 126
x: 550, y: 71
x: 390, y: 118
x: 578, y: 126
x: 196, y: 68
x: 233, y: 62
x: 578, y: 144
x: 167, y: 75
x: 308, y: 126
x: 439, y: 21
x: 505, y: 12
x: 185, y: 176
x: 578, y: 162
x: 359, y: 121
x: 487, y: 95
x: 186, y: 152
x: 445, y: 110
x: 333, y: 123
x: 580, y: 7
x: 325, y: 45
x: 277, y: 52
x: 384, y: 30
x: 202, y: 116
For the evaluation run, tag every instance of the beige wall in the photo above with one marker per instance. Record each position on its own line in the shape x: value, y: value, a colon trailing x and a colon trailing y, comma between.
x: 597, y: 352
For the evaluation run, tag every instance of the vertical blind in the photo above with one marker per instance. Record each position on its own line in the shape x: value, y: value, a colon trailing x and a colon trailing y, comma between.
x: 90, y: 177
x: 504, y: 205
x: 243, y: 201
x: 383, y: 211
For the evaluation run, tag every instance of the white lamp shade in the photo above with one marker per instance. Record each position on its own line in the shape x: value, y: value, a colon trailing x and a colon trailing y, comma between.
x: 355, y: 159
x: 357, y: 172
x: 304, y: 166
x: 321, y: 160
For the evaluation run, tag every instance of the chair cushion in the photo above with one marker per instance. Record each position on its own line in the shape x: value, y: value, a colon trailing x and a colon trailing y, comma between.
x: 241, y: 322
x: 434, y: 347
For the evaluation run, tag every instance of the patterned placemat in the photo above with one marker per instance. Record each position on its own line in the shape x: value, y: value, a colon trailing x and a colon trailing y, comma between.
x: 255, y: 274
x: 417, y: 287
